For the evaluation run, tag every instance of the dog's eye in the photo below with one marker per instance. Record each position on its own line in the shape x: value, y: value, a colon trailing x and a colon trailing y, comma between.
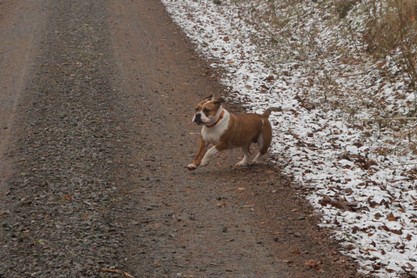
x: 205, y: 110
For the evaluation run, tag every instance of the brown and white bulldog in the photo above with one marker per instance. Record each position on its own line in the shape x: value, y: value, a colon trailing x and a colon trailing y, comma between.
x: 225, y: 130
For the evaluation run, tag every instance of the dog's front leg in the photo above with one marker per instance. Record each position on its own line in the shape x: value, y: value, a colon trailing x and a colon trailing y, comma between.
x: 212, y: 151
x: 201, y: 153
x: 206, y: 159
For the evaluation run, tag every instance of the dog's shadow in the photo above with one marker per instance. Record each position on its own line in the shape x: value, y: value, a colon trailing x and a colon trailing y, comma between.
x: 224, y: 163
x: 221, y: 169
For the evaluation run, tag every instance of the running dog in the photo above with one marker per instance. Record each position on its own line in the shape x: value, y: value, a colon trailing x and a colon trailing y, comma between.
x: 226, y: 130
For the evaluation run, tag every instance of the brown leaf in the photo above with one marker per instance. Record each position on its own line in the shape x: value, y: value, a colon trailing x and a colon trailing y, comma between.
x: 397, y: 232
x: 339, y: 203
x: 270, y: 78
x: 116, y: 271
x: 296, y: 251
x: 68, y: 197
x: 221, y: 204
x: 264, y: 88
x: 377, y: 215
x: 391, y: 217
x: 315, y: 264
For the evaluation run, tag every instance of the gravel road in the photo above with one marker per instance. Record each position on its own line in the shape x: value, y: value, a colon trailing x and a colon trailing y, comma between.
x: 96, y: 103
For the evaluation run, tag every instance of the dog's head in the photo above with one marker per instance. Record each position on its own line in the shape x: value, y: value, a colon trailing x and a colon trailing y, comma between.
x: 207, y: 111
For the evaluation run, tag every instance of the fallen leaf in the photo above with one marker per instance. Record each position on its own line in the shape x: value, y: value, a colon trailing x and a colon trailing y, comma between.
x: 296, y: 251
x: 315, y: 264
x: 394, y: 231
x: 270, y: 78
x: 391, y: 217
x: 67, y: 197
x: 377, y: 215
x: 116, y: 271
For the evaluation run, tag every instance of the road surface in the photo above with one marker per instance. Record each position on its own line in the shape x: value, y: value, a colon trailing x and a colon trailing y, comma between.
x: 96, y: 104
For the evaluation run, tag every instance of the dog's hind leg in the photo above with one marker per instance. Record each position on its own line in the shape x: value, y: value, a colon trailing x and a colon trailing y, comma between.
x: 258, y: 157
x: 260, y: 153
x: 246, y: 156
x: 264, y: 141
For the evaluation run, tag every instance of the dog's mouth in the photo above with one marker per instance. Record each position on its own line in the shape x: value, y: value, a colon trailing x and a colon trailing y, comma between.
x: 197, y: 119
x: 198, y: 122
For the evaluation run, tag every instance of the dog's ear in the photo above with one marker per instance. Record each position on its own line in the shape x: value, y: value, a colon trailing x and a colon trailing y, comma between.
x: 218, y: 100
x: 210, y: 97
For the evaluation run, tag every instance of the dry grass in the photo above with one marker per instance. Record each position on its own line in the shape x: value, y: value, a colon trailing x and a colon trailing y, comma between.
x: 344, y: 6
x: 390, y: 30
x: 391, y: 26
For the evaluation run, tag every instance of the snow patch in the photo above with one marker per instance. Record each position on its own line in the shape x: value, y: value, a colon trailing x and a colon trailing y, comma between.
x: 362, y: 179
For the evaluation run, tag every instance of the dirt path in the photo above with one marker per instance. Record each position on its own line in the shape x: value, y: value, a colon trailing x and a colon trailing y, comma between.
x: 99, y: 148
x: 20, y: 43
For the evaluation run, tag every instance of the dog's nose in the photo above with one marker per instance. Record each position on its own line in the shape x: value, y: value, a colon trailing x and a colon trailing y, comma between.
x: 197, y: 118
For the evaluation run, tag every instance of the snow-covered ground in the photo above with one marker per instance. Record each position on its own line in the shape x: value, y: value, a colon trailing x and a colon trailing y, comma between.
x: 345, y: 136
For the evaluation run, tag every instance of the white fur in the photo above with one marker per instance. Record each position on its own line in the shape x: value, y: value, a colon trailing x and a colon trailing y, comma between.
x: 257, y: 158
x: 213, y: 129
x: 204, y: 119
x: 212, y: 134
x: 260, y: 143
x: 206, y: 159
x: 245, y: 160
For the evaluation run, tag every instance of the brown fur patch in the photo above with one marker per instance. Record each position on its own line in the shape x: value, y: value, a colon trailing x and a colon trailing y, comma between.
x: 209, y: 106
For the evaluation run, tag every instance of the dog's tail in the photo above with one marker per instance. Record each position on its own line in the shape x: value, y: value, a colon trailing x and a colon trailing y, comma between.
x: 271, y: 109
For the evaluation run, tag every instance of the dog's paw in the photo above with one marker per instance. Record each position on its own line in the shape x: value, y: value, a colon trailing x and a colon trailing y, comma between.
x: 242, y: 163
x: 191, y: 167
x: 257, y: 159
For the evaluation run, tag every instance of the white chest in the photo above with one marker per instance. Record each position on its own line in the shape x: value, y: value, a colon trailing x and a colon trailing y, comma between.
x: 213, y: 134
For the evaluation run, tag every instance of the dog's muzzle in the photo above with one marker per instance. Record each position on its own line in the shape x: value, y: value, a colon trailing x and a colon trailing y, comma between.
x: 197, y: 119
